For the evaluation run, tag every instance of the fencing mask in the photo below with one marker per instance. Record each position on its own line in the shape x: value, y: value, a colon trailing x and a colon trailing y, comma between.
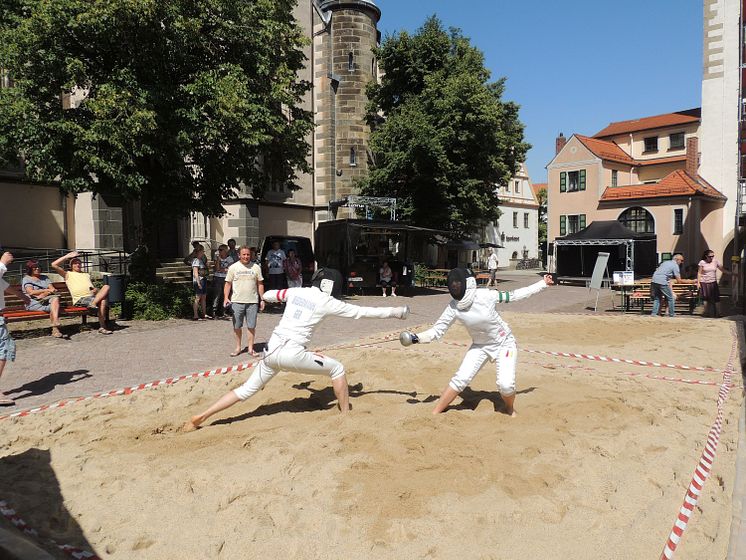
x: 329, y: 281
x: 462, y: 286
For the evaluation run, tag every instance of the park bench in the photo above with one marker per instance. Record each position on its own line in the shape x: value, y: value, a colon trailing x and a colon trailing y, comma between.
x: 482, y: 278
x: 685, y: 293
x: 15, y: 310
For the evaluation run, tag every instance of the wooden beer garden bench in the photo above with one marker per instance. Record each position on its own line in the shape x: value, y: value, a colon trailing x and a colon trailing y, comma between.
x: 15, y: 310
x: 684, y: 293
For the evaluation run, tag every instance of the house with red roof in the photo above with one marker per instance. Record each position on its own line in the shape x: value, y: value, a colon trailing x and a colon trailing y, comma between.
x: 643, y: 173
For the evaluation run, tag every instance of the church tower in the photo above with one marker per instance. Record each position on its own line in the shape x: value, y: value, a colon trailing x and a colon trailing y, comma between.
x: 346, y: 31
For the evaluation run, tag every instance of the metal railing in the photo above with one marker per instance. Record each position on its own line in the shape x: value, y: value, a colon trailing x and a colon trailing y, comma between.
x: 94, y: 261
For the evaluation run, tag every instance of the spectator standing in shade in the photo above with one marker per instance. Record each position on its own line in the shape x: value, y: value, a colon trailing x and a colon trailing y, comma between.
x: 41, y: 295
x: 707, y: 282
x: 7, y: 345
x: 492, y: 267
x: 246, y: 280
x: 222, y: 262
x: 232, y: 251
x: 276, y: 266
x: 668, y: 273
x: 196, y: 246
x: 293, y: 270
x: 199, y: 281
x: 82, y: 290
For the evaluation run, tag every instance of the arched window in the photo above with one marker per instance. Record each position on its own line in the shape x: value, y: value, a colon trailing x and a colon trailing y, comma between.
x: 353, y: 157
x: 350, y: 62
x: 638, y: 219
x: 514, y: 255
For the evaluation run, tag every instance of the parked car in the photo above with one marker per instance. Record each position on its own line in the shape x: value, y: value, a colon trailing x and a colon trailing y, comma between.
x: 302, y: 248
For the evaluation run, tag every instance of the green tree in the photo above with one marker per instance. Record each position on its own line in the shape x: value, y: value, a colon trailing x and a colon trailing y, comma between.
x: 542, y: 199
x: 442, y: 138
x: 186, y: 101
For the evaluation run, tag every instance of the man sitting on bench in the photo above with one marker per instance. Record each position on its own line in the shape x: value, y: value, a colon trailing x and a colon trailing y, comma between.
x: 83, y: 293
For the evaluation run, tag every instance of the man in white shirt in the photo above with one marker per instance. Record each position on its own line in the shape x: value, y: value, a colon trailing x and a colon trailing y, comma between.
x: 492, y: 267
x: 245, y: 280
x: 7, y: 345
x: 276, y: 266
x: 491, y: 336
x: 305, y: 308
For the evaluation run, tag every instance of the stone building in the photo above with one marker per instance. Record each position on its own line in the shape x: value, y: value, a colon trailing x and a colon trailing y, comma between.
x: 340, y: 64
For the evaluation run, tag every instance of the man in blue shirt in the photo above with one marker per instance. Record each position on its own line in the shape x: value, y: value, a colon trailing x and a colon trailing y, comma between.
x: 662, y: 286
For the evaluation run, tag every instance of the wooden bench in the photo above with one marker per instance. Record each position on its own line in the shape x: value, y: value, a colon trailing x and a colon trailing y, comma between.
x: 685, y: 293
x: 15, y: 310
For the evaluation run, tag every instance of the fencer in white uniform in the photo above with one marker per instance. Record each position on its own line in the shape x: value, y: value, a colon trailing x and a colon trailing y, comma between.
x: 305, y: 308
x: 491, y: 336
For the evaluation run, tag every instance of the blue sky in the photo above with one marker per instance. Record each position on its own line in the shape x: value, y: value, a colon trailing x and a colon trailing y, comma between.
x: 576, y: 65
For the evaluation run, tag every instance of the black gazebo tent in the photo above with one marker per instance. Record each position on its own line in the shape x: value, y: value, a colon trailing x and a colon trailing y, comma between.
x: 575, y: 254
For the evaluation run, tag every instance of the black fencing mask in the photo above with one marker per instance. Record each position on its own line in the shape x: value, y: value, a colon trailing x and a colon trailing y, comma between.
x: 329, y: 281
x: 459, y: 280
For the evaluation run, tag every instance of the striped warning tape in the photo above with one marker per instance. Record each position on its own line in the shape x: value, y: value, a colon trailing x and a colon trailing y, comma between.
x: 129, y: 390
x: 11, y: 515
x: 704, y: 466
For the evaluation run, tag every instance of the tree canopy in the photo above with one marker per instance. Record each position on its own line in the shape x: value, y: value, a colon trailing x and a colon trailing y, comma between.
x: 443, y: 138
x: 185, y: 102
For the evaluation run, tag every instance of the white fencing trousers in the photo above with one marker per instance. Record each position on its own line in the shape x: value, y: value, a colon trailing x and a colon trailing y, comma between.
x: 289, y: 357
x: 505, y: 364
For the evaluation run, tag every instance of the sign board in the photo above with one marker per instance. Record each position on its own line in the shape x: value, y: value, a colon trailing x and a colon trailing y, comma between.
x: 598, y: 271
x: 624, y: 278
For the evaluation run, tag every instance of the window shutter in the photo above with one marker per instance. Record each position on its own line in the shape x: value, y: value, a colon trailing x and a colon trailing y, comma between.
x: 582, y: 221
x: 582, y: 180
x: 563, y: 181
x: 563, y: 225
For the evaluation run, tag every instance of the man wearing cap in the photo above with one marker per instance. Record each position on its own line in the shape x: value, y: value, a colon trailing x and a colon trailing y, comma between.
x: 82, y: 290
x: 286, y: 350
x: 491, y: 336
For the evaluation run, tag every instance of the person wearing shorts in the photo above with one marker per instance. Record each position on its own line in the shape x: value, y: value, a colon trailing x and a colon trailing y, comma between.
x: 41, y: 295
x: 244, y: 286
x: 7, y: 345
x: 199, y: 281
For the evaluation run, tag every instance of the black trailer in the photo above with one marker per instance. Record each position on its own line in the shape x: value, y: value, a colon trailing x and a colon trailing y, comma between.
x: 357, y: 248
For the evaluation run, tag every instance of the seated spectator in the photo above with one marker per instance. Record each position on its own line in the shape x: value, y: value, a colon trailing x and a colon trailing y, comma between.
x: 82, y: 290
x: 388, y: 279
x: 41, y: 295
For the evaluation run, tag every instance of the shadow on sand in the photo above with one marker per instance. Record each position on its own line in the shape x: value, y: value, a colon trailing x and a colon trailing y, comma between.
x: 30, y: 486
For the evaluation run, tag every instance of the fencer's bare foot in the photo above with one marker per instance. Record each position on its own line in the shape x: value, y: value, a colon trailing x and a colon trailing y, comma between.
x: 512, y: 413
x: 192, y: 425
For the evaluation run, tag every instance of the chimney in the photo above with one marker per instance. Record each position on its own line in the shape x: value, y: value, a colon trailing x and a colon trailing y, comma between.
x: 560, y: 143
x: 692, y: 156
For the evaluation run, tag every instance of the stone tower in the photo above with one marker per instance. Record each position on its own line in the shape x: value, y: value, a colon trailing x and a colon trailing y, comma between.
x: 344, y: 63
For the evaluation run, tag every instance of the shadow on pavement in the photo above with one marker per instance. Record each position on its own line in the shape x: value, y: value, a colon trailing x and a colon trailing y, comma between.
x: 31, y: 488
x: 48, y: 383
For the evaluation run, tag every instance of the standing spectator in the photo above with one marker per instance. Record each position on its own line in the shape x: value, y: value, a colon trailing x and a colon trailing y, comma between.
x: 254, y: 256
x: 293, y: 270
x: 222, y: 262
x: 196, y: 246
x: 492, y: 267
x: 387, y: 279
x: 707, y: 282
x: 245, y: 279
x: 662, y: 285
x: 82, y: 290
x: 41, y: 295
x: 7, y: 345
x: 199, y: 281
x: 232, y: 252
x: 276, y: 266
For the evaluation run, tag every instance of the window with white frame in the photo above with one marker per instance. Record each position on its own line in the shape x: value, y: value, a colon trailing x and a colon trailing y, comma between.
x: 678, y: 221
x: 676, y: 141
x: 571, y: 181
x: 614, y: 177
x: 638, y: 219
x: 517, y: 186
x: 525, y: 220
x: 572, y: 223
x: 515, y: 219
x: 651, y: 144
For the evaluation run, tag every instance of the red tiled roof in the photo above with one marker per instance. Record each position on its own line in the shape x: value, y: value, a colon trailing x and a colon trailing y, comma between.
x: 606, y: 150
x: 647, y: 123
x: 661, y: 161
x: 676, y: 183
x: 537, y: 187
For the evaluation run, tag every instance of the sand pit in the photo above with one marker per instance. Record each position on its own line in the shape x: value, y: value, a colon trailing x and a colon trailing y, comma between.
x: 595, y: 465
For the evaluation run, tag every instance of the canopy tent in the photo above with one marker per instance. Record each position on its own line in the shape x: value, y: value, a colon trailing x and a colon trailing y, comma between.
x: 576, y: 254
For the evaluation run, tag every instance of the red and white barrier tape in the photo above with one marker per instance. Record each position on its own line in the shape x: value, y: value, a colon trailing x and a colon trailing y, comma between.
x: 11, y: 515
x: 130, y: 390
x: 704, y: 466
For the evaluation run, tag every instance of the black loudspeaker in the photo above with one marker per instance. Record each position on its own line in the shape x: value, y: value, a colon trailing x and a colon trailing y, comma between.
x: 622, y: 251
x: 550, y: 249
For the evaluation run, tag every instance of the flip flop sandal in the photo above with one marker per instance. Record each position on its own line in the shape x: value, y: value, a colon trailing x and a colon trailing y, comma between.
x: 105, y: 331
x: 234, y: 354
x: 58, y: 335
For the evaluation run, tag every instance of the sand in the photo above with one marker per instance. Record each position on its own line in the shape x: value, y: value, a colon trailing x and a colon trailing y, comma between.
x: 595, y: 465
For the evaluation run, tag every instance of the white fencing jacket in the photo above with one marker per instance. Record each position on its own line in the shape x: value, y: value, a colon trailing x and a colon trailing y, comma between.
x: 487, y: 329
x: 306, y: 307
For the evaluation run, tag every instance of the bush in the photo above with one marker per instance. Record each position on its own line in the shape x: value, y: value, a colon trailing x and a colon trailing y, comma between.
x: 420, y: 272
x: 158, y: 302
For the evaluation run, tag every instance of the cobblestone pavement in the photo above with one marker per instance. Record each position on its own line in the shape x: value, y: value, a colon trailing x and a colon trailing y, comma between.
x: 48, y: 370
